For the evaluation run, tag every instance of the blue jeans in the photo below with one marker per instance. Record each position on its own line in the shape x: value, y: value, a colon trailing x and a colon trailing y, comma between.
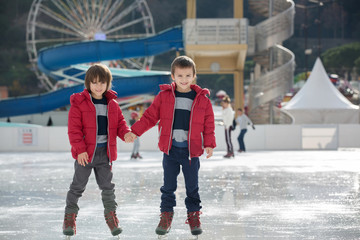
x: 241, y: 139
x: 171, y: 164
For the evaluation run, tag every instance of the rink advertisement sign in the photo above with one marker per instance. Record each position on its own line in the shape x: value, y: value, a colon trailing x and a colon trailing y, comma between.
x: 27, y: 136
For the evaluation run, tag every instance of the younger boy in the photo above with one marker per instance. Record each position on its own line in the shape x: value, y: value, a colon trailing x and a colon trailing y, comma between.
x: 95, y: 120
x: 186, y: 127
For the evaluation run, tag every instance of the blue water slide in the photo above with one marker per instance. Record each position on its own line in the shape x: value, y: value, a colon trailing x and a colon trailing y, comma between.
x: 124, y: 86
x: 64, y: 61
x: 62, y: 56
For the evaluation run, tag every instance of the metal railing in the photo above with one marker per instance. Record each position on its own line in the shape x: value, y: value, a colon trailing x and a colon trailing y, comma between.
x: 274, y: 83
x: 278, y: 63
x: 215, y: 31
x: 275, y: 29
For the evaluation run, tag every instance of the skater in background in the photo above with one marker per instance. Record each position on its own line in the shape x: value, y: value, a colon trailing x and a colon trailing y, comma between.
x: 243, y: 121
x: 95, y: 120
x: 228, y: 117
x: 135, y: 152
x: 186, y: 128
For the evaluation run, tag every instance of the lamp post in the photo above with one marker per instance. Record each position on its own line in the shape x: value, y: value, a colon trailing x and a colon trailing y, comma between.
x: 318, y: 22
x: 319, y: 4
x: 305, y: 27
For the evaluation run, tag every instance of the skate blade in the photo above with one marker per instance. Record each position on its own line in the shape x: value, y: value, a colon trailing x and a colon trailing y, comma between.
x: 163, y: 237
x: 195, y: 237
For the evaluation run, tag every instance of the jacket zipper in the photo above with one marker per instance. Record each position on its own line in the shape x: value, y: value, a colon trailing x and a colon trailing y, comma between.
x: 96, y: 129
x: 108, y: 133
x: 191, y: 115
x: 172, y: 123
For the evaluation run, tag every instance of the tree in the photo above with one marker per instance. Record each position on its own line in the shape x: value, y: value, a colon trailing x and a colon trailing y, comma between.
x: 342, y: 59
x: 15, y: 72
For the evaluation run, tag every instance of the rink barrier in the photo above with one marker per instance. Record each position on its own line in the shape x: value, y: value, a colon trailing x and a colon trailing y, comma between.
x: 264, y: 137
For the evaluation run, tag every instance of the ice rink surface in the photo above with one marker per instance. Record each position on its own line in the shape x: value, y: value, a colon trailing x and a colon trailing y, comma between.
x: 256, y: 195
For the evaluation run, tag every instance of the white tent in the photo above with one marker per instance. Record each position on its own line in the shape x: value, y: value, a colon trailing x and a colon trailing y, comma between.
x: 318, y: 101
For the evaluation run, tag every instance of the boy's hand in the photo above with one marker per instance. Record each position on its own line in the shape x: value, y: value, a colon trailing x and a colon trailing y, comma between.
x: 83, y: 159
x: 209, y: 152
x: 130, y: 137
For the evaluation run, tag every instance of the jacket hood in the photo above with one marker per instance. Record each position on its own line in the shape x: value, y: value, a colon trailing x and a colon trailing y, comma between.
x: 80, y: 97
x: 196, y: 88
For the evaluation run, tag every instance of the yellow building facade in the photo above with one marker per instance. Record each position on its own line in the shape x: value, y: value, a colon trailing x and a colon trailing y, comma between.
x: 218, y: 45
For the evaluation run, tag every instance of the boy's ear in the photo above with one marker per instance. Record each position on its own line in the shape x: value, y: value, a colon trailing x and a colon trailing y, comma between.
x: 172, y: 77
x: 194, y: 79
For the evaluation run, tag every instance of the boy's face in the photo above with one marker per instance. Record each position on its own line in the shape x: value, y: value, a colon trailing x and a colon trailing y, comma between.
x: 97, y: 88
x: 183, y: 78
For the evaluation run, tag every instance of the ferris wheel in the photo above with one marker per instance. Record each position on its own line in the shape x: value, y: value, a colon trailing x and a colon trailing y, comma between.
x: 53, y: 22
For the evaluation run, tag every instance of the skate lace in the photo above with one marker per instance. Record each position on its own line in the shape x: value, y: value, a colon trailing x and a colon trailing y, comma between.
x: 194, y: 219
x: 165, y: 219
x: 70, y: 221
x: 111, y: 220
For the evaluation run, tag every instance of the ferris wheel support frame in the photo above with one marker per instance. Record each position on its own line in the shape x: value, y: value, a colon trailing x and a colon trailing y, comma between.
x: 66, y: 19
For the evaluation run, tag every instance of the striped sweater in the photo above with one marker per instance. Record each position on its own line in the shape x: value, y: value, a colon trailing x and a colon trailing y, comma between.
x: 183, y: 103
x: 102, y: 121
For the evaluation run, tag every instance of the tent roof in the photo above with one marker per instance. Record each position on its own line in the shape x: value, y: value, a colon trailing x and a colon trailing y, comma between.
x: 319, y: 93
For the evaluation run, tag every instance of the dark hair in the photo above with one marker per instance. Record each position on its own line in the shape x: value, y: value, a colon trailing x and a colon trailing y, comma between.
x: 226, y: 99
x: 183, y: 62
x: 240, y: 109
x: 100, y: 72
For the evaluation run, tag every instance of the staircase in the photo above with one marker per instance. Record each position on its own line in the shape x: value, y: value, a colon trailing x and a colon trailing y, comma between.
x: 274, y: 70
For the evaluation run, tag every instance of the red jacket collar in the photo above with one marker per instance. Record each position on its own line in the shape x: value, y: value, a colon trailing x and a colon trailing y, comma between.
x: 79, y: 97
x: 196, y: 88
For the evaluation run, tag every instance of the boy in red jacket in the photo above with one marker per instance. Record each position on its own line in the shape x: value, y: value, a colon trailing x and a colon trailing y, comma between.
x: 95, y: 120
x: 186, y: 128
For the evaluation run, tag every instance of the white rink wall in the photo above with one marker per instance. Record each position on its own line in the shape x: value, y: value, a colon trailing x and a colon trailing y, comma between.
x: 264, y: 137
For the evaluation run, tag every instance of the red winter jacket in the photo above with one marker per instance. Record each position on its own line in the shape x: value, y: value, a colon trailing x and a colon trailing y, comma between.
x: 202, y: 124
x: 82, y: 124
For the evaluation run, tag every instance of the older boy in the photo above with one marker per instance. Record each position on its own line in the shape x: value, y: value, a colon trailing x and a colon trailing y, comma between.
x: 186, y: 127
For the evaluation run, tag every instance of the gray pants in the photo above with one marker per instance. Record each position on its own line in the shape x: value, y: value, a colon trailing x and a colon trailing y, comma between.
x: 136, y: 146
x: 103, y: 175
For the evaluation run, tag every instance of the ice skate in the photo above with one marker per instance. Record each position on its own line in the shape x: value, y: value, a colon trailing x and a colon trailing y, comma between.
x: 193, y: 219
x: 229, y: 155
x: 133, y: 157
x: 113, y: 223
x: 69, y: 225
x: 138, y: 156
x: 164, y: 225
